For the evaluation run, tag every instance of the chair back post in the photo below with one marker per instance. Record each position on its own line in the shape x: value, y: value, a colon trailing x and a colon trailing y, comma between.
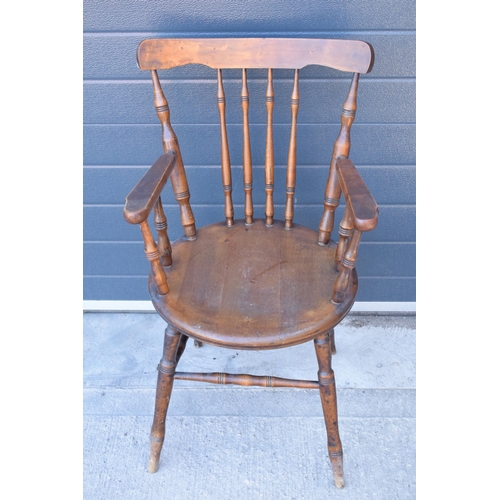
x: 178, y: 176
x: 341, y: 147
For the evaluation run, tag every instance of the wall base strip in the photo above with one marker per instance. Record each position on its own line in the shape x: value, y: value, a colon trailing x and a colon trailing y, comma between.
x: 147, y: 306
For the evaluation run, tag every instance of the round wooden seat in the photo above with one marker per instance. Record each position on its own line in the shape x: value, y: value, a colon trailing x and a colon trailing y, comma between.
x: 252, y: 287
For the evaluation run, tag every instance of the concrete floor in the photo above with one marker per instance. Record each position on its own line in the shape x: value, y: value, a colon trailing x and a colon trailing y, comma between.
x: 228, y: 442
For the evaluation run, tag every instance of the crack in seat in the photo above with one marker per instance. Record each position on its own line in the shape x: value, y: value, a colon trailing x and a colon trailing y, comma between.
x: 252, y: 287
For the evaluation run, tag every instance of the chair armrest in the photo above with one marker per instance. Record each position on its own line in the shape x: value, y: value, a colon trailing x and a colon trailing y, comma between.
x: 141, y: 200
x: 358, y: 198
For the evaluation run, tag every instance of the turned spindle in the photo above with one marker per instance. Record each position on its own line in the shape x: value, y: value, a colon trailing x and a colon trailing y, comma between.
x: 170, y: 143
x: 153, y: 255
x: 246, y: 380
x: 269, y: 160
x: 292, y: 154
x: 341, y: 148
x: 224, y: 148
x: 161, y: 226
x: 345, y: 232
x: 347, y: 265
x: 247, y: 154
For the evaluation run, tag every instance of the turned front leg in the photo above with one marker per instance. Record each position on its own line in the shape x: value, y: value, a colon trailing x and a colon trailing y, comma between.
x: 329, y: 402
x: 166, y: 372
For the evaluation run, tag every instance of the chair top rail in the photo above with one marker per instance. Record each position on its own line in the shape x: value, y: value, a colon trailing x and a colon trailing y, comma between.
x: 284, y: 53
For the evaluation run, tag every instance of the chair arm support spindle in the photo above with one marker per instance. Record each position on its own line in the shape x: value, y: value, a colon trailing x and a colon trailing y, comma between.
x: 161, y: 226
x: 153, y: 255
x: 345, y: 233
x: 138, y: 205
x: 361, y: 215
x: 347, y: 265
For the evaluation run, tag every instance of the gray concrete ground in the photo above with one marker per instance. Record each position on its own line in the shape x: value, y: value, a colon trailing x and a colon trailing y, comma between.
x: 228, y: 442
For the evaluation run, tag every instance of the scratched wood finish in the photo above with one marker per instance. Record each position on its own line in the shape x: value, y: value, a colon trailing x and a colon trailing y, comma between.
x: 293, y: 53
x: 250, y: 287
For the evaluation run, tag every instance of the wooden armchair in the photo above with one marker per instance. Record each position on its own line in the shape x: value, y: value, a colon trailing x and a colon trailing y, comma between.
x: 257, y: 283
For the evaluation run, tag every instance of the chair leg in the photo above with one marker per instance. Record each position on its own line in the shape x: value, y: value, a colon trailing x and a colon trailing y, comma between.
x: 181, y: 347
x: 332, y: 342
x: 166, y: 371
x: 329, y: 402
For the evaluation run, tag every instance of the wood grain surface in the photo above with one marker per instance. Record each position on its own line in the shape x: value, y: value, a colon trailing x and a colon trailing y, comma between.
x: 295, y: 53
x: 252, y: 286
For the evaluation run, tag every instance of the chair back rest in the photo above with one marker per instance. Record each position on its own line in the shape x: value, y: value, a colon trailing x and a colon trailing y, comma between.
x: 265, y: 53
